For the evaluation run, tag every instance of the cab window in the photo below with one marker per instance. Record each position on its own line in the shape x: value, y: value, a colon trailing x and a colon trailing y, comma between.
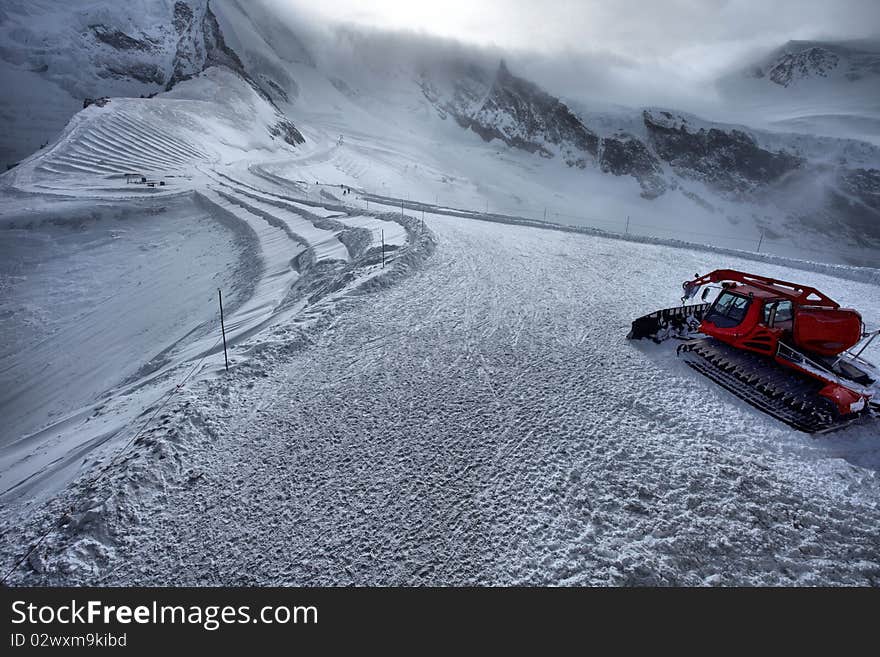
x: 783, y: 312
x: 728, y: 311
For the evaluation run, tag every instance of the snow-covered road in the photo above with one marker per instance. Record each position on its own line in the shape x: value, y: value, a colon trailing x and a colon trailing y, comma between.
x: 485, y: 421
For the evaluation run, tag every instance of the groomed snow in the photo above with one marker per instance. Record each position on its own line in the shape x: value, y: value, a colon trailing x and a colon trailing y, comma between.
x: 93, y: 295
x: 110, y: 288
x: 485, y: 421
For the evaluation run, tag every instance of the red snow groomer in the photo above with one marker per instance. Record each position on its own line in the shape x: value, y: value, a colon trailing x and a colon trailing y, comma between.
x: 787, y: 349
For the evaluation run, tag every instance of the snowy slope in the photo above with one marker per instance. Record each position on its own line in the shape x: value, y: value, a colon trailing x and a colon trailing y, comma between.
x: 436, y: 99
x: 466, y: 411
x: 484, y: 422
x: 617, y: 167
x: 65, y: 53
x: 78, y: 382
x: 827, y: 88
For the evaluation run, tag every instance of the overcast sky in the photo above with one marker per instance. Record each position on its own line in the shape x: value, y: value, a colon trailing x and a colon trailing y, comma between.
x: 631, y: 52
x: 704, y: 33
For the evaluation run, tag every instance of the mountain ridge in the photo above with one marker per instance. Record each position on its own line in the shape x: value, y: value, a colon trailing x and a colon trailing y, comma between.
x: 663, y: 151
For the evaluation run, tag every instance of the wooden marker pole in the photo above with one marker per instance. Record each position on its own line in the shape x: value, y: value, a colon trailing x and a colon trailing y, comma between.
x: 223, y: 328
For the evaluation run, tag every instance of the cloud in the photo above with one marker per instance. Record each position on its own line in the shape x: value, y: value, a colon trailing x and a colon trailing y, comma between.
x: 623, y: 51
x: 638, y: 29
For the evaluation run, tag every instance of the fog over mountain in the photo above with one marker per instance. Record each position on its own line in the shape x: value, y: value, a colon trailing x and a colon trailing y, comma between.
x: 619, y: 47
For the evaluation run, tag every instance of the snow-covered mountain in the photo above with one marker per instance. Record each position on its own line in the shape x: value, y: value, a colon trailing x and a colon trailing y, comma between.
x: 830, y: 88
x: 801, y: 62
x: 726, y: 179
x: 56, y: 56
x: 673, y: 151
x: 520, y: 114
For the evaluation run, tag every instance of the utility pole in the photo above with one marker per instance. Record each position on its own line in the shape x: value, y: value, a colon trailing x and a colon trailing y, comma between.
x: 223, y: 328
x: 383, y: 249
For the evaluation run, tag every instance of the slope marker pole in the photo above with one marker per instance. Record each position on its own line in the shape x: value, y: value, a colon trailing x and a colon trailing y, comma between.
x: 760, y: 240
x: 223, y: 328
x: 383, y: 249
x: 627, y: 226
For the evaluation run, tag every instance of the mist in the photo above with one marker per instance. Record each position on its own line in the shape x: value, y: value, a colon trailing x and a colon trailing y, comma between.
x: 629, y: 53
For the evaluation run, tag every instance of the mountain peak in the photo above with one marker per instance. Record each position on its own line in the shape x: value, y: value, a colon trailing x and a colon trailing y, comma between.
x: 811, y: 62
x: 798, y: 61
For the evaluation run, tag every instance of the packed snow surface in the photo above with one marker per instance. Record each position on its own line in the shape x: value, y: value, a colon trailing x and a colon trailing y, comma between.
x: 485, y: 421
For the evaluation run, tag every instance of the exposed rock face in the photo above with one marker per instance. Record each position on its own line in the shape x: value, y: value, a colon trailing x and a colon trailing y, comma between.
x: 217, y: 53
x: 863, y: 184
x: 189, y: 56
x: 276, y: 89
x: 200, y: 45
x: 522, y: 115
x: 120, y: 40
x: 805, y: 60
x: 470, y: 85
x: 141, y: 71
x: 192, y: 33
x: 730, y: 161
x: 514, y: 110
x: 857, y: 197
x: 805, y: 64
x: 183, y: 17
x: 625, y: 155
x: 860, y: 203
x: 843, y: 204
x: 286, y: 130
